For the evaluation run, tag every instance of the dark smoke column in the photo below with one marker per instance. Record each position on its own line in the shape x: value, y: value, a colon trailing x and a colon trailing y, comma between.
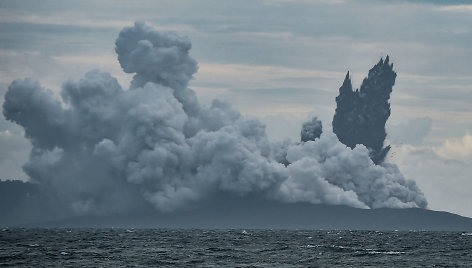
x: 361, y: 115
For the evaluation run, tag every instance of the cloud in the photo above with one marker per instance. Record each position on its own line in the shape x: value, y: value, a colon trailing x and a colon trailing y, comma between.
x: 281, y: 126
x: 456, y: 148
x: 99, y: 148
x: 15, y: 150
x: 456, y: 8
x: 413, y: 131
x: 442, y: 172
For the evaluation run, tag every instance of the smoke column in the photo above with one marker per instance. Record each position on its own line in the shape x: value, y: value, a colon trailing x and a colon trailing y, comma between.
x: 361, y: 115
x: 98, y: 148
x: 311, y: 130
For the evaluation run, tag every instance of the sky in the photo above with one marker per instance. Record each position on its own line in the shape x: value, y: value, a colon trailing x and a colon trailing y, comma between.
x: 279, y: 61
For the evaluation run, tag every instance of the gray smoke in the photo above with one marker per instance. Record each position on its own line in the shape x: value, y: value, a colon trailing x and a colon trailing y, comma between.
x: 361, y: 115
x: 311, y: 130
x: 101, y: 149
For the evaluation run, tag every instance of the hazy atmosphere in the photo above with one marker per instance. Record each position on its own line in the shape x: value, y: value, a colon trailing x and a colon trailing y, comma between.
x: 107, y: 110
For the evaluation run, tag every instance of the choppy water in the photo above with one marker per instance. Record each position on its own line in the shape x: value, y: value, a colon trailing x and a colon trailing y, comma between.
x: 233, y: 248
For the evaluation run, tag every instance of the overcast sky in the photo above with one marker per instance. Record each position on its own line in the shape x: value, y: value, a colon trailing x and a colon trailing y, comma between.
x: 281, y: 61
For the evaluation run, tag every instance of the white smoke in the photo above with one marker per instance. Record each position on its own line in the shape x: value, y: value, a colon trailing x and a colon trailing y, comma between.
x: 101, y: 148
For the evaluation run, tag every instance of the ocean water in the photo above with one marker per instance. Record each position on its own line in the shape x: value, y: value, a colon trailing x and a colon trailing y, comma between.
x: 231, y: 248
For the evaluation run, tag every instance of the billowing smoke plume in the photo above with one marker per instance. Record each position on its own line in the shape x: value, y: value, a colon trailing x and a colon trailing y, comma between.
x: 361, y: 115
x: 99, y: 148
x: 311, y: 130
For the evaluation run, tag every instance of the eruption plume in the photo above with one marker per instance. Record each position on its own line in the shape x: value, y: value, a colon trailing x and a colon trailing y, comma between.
x: 98, y: 148
x: 361, y: 115
x: 311, y: 130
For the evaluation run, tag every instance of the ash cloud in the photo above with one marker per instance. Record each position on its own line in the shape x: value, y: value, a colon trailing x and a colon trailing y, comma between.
x: 311, y: 130
x: 361, y: 115
x: 98, y: 148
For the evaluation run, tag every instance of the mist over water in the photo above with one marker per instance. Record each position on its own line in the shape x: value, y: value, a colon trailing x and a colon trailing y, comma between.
x: 99, y: 148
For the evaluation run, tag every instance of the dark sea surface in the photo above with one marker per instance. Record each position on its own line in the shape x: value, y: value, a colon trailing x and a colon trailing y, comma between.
x: 231, y: 248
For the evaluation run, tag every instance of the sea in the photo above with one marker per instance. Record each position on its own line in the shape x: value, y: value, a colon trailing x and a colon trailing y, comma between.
x: 60, y: 247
